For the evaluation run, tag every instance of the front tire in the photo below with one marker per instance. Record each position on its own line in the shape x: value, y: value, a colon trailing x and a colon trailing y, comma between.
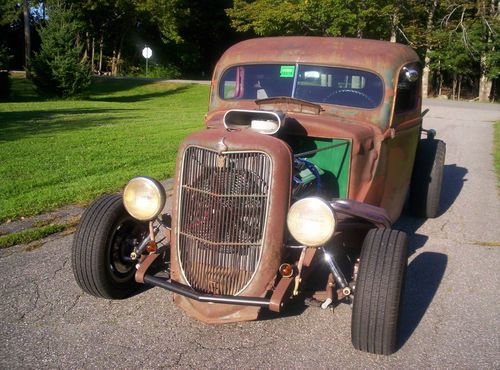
x: 101, y: 249
x: 377, y: 295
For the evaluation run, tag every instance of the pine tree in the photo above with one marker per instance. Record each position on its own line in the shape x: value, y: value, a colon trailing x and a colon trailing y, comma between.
x: 58, y: 68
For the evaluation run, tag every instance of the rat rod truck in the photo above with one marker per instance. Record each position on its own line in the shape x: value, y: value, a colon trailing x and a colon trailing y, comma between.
x: 311, y: 148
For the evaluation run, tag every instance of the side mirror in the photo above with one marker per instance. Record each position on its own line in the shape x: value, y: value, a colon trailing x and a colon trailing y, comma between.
x: 410, y: 74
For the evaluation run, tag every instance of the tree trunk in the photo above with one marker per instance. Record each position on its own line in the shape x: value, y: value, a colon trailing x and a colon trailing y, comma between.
x: 454, y: 88
x: 113, y: 63
x: 92, y: 55
x: 118, y: 60
x: 427, y: 60
x: 101, y: 46
x: 27, y: 38
x: 359, y: 33
x: 485, y: 85
x: 425, y: 76
x: 459, y: 86
x: 86, y: 51
x: 394, y: 28
x: 119, y: 54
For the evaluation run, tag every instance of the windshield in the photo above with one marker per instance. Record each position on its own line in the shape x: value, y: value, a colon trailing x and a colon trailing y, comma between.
x: 330, y: 85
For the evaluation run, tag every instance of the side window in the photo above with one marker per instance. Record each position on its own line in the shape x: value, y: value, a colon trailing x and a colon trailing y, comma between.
x: 408, y: 88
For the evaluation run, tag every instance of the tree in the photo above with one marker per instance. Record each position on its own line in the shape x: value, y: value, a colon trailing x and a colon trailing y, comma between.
x: 27, y: 37
x: 57, y: 68
x: 294, y: 17
x: 489, y: 46
x: 4, y: 74
x: 9, y: 11
x: 471, y: 28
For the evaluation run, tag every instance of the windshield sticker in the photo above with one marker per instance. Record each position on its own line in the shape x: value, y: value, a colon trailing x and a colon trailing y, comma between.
x: 287, y: 71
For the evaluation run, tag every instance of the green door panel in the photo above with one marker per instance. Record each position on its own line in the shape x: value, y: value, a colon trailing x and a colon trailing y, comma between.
x: 334, y: 162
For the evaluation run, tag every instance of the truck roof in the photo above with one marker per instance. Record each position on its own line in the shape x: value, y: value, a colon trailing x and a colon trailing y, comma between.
x: 382, y: 57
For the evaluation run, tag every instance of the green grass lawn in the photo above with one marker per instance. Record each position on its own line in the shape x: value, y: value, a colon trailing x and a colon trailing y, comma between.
x: 56, y: 152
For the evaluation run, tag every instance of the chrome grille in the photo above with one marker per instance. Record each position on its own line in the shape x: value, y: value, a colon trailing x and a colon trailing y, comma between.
x: 222, y: 213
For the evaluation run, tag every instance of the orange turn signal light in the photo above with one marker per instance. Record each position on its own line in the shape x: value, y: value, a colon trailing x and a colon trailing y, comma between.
x: 286, y: 270
x: 151, y: 248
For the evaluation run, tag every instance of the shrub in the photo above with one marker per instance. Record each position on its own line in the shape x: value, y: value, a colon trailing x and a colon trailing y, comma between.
x: 57, y: 69
x: 167, y: 71
x: 4, y: 85
x: 4, y: 74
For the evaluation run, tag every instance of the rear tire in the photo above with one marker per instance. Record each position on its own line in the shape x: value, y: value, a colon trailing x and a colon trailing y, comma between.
x: 102, y: 244
x: 377, y: 295
x: 427, y: 178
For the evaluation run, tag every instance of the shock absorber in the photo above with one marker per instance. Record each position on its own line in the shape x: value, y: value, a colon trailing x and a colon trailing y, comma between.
x: 338, y: 276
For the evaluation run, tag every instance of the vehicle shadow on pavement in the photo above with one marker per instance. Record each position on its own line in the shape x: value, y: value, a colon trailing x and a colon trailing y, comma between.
x: 410, y: 225
x: 453, y: 182
x: 425, y: 272
x: 293, y: 308
x: 423, y: 277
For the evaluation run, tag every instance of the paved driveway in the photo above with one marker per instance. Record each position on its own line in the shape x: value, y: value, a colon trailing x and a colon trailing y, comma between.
x: 451, y: 312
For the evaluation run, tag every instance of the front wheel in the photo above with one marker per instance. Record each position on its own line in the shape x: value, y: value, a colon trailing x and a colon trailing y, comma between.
x: 100, y: 259
x: 377, y: 296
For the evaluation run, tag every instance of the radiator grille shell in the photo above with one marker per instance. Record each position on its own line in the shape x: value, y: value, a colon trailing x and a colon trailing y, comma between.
x: 223, y: 208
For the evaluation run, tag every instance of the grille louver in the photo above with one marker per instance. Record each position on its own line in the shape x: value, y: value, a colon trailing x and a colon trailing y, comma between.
x: 222, y: 213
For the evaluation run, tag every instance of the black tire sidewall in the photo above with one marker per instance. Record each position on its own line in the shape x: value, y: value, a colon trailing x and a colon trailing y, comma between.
x: 378, y: 292
x: 92, y: 249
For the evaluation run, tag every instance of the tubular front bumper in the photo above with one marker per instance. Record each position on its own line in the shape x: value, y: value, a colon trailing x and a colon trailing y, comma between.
x: 207, y: 298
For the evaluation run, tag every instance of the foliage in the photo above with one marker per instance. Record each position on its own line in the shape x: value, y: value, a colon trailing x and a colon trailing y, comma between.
x: 4, y: 85
x: 370, y: 18
x: 168, y: 15
x: 192, y: 34
x: 451, y: 55
x: 55, y: 152
x: 57, y: 68
x: 294, y: 17
x: 154, y: 71
x: 5, y: 58
x: 458, y: 33
x: 9, y: 11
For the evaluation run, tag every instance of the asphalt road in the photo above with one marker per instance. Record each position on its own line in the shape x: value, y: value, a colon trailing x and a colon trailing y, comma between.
x: 450, y: 317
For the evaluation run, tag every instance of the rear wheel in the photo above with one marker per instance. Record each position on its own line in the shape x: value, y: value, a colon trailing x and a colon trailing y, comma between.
x: 427, y: 178
x: 101, y: 249
x: 377, y: 295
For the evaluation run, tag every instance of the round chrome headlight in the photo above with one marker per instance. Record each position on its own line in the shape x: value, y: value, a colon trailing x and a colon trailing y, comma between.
x: 144, y: 198
x: 311, y: 221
